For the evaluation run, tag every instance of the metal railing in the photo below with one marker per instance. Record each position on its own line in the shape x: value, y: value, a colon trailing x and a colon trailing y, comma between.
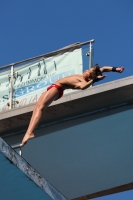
x: 53, y: 53
x: 69, y: 48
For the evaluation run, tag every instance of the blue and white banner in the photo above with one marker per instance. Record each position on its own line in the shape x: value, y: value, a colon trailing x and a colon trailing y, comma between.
x: 32, y: 79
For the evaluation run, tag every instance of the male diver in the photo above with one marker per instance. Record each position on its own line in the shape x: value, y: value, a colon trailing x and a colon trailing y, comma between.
x: 55, y: 91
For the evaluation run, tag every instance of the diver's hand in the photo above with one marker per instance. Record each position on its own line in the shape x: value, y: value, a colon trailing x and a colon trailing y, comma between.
x: 119, y: 69
x: 98, y: 78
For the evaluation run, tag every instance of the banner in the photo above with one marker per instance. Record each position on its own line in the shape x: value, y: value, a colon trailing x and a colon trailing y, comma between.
x: 32, y: 79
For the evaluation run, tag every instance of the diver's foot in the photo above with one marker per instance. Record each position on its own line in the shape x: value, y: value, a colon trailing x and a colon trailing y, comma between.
x: 27, y: 137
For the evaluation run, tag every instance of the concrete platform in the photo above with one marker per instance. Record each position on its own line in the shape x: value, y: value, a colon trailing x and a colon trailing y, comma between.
x: 103, y: 96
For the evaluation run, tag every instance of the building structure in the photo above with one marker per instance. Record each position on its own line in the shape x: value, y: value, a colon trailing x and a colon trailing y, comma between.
x: 83, y: 144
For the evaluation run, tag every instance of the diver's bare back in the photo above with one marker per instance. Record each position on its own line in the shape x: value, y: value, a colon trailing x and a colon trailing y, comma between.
x: 71, y: 82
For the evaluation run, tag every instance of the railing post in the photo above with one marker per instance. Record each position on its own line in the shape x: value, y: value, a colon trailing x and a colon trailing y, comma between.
x: 90, y: 54
x: 11, y: 87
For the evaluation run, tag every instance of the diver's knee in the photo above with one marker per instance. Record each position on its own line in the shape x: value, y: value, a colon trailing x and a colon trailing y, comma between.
x: 39, y: 107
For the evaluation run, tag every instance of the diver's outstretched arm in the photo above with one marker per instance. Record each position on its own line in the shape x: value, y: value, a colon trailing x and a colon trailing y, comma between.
x: 113, y: 69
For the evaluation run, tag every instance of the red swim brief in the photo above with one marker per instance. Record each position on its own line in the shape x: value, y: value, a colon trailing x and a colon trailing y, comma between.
x: 60, y: 90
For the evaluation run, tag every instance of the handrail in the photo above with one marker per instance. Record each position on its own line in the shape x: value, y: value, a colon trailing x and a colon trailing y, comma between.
x: 70, y: 48
x: 53, y: 53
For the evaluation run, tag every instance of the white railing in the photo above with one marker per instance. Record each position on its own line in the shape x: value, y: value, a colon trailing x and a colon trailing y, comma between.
x: 11, y: 103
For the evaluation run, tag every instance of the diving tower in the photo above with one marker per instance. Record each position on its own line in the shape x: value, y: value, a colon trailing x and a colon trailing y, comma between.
x: 83, y: 143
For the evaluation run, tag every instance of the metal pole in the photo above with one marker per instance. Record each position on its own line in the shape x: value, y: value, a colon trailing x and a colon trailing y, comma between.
x: 90, y: 64
x: 18, y: 146
x: 11, y: 87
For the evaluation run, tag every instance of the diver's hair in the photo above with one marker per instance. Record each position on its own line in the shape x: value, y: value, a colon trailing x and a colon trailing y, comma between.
x: 96, y: 71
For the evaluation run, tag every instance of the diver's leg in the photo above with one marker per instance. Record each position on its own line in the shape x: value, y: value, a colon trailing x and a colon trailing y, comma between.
x: 44, y: 101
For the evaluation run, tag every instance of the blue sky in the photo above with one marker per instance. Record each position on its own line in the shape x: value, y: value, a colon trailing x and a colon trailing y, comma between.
x: 33, y: 27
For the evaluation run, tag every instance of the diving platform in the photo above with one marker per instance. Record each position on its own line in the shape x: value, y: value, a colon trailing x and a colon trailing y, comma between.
x: 93, y: 99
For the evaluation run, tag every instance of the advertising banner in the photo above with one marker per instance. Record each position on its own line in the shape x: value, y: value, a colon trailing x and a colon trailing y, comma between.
x: 32, y: 79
